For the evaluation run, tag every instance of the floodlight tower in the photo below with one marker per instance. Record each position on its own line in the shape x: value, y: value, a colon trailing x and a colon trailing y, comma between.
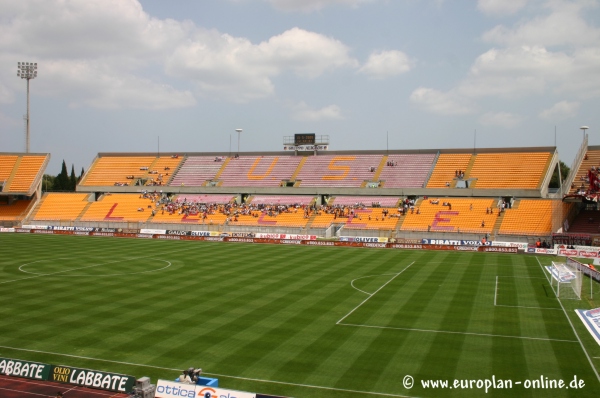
x: 27, y: 70
x: 239, y: 131
x: 583, y: 128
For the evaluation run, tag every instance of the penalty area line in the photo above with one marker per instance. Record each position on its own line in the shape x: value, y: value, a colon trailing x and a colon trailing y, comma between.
x: 453, y: 332
x: 212, y: 374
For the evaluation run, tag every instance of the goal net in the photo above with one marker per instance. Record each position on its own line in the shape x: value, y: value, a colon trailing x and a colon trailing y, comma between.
x: 565, y: 280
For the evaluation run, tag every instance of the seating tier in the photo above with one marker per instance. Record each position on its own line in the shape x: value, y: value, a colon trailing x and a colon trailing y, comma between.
x: 109, y: 170
x: 14, y: 211
x: 7, y: 163
x: 523, y: 170
x: 27, y: 171
x: 204, y: 198
x: 446, y: 167
x: 119, y: 207
x: 531, y: 217
x: 196, y: 170
x: 337, y: 171
x: 282, y: 199
x: 464, y: 215
x: 407, y: 171
x: 384, y: 201
x: 61, y: 206
x: 258, y: 171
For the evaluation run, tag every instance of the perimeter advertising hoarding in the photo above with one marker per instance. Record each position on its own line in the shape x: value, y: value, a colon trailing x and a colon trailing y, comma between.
x: 28, y: 369
x: 169, y: 389
x: 363, y: 239
x: 92, y: 378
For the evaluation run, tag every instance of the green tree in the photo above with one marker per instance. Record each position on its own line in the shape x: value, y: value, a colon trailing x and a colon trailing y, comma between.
x: 48, y: 183
x: 62, y: 179
x: 564, y: 172
x: 72, y: 179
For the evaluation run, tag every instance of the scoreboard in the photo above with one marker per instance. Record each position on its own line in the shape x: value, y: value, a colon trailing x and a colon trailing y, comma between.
x: 304, y: 139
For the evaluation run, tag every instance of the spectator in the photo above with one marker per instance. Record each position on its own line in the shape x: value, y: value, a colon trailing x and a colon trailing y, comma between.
x: 185, y: 378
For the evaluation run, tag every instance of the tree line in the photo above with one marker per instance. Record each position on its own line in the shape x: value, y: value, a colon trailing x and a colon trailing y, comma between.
x: 63, y: 181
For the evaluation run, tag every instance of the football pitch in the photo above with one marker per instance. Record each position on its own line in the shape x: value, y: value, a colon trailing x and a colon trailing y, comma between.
x: 294, y: 320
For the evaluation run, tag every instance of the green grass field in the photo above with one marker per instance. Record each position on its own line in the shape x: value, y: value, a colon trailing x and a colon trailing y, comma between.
x: 293, y: 321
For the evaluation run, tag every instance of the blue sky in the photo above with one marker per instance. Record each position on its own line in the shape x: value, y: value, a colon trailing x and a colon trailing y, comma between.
x: 122, y: 75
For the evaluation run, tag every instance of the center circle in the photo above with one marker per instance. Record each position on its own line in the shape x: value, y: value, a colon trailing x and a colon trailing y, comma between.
x: 69, y: 272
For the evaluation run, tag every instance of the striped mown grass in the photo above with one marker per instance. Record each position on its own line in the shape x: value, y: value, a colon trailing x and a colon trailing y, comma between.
x: 293, y: 321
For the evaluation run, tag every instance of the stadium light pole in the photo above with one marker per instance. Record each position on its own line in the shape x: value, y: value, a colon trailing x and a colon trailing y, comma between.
x: 583, y: 128
x: 28, y: 71
x: 239, y: 131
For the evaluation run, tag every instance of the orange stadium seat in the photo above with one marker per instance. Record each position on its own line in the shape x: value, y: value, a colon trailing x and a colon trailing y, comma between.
x: 108, y: 170
x: 15, y: 211
x: 26, y: 173
x: 530, y: 217
x: 373, y: 218
x: 509, y: 170
x: 61, y: 206
x: 119, y: 207
x: 466, y: 215
x: 7, y: 163
x: 446, y: 167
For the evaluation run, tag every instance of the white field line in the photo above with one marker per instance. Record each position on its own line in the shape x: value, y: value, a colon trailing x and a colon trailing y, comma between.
x: 573, y: 328
x: 362, y: 277
x: 521, y: 277
x: 213, y: 374
x: 89, y: 266
x: 372, y: 294
x: 496, y: 290
x: 100, y: 276
x: 521, y: 306
x: 518, y: 306
x: 453, y: 332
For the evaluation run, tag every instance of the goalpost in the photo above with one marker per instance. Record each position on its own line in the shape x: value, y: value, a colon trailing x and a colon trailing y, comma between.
x: 565, y: 280
x: 587, y: 270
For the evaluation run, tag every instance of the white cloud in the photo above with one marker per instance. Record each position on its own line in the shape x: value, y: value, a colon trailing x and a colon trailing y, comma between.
x: 110, y: 53
x: 236, y: 69
x: 500, y: 7
x: 384, y: 64
x: 439, y: 102
x: 556, y: 54
x: 304, y: 113
x: 514, y: 72
x: 560, y: 111
x: 502, y: 119
x: 312, y: 5
x: 564, y: 25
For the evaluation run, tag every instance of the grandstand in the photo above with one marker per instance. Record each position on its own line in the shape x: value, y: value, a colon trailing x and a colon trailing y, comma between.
x: 238, y: 193
x: 107, y: 170
x: 21, y: 174
x: 20, y: 185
